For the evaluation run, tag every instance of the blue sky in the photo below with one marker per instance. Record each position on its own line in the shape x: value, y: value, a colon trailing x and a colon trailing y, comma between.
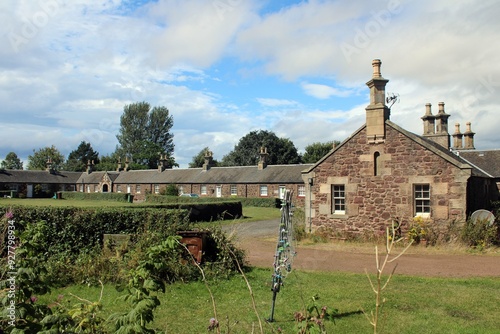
x: 227, y: 67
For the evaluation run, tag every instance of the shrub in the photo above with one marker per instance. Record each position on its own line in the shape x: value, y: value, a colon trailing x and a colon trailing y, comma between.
x: 480, y: 234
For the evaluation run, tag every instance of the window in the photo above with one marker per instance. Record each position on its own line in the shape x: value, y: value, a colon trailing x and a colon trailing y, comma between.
x: 180, y: 189
x: 203, y: 189
x: 376, y: 162
x: 137, y: 188
x: 338, y: 199
x: 422, y: 200
x: 157, y: 188
x: 118, y: 188
x: 263, y: 190
x: 234, y: 190
x: 81, y: 188
x: 302, y: 191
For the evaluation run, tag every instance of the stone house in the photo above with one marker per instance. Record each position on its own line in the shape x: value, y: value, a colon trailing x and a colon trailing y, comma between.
x: 33, y: 183
x: 383, y: 172
x: 241, y: 181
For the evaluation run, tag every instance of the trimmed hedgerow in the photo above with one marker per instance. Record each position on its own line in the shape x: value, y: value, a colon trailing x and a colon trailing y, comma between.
x: 74, y: 230
x: 115, y: 197
x: 256, y: 202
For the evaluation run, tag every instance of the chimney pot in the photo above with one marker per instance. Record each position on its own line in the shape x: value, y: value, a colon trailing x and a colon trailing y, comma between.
x: 376, y: 68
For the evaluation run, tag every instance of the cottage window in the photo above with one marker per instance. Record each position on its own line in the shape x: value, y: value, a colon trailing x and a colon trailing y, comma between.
x: 81, y: 188
x: 157, y: 188
x: 338, y: 199
x: 263, y: 190
x: 422, y: 200
x: 137, y: 188
x: 180, y: 190
x: 203, y: 189
x: 118, y: 188
x: 234, y: 190
x: 376, y: 163
x: 302, y: 191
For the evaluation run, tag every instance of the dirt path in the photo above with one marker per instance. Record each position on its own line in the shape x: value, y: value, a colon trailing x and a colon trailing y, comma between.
x: 258, y: 240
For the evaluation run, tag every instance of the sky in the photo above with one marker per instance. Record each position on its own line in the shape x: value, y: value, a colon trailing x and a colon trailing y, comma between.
x: 225, y: 68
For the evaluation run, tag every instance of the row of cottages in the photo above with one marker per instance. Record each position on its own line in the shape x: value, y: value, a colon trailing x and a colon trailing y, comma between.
x: 258, y: 181
x: 383, y: 173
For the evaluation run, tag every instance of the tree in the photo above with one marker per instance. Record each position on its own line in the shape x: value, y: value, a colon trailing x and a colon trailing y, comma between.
x: 144, y: 128
x: 40, y: 158
x: 12, y: 161
x: 315, y: 151
x: 246, y: 152
x: 78, y: 159
x: 199, y: 159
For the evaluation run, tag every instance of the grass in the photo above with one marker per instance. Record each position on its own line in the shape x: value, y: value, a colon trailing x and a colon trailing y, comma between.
x: 414, y: 305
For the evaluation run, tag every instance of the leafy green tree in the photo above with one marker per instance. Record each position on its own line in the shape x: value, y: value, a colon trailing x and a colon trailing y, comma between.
x: 145, y: 134
x: 12, y: 161
x: 246, y: 152
x: 315, y: 151
x: 78, y: 159
x: 39, y: 158
x: 108, y: 162
x: 199, y: 159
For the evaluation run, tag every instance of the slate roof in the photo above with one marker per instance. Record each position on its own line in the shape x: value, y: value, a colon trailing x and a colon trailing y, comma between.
x: 448, y: 155
x: 488, y: 161
x: 38, y: 176
x: 96, y: 177
x: 221, y: 175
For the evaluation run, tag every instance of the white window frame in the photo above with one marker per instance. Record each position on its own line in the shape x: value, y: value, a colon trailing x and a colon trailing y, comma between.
x: 338, y: 199
x: 203, y: 190
x: 137, y: 188
x: 263, y: 191
x: 118, y: 188
x: 301, y: 190
x: 157, y: 188
x: 422, y: 200
x: 234, y: 190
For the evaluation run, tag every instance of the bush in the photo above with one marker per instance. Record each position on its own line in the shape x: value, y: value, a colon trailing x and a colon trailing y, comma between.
x: 480, y: 234
x: 115, y: 197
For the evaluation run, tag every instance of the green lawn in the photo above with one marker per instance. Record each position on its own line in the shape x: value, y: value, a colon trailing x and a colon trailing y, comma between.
x: 414, y: 305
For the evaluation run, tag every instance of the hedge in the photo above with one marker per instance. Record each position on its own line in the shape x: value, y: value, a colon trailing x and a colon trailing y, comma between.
x: 257, y: 202
x: 75, y: 230
x: 115, y: 197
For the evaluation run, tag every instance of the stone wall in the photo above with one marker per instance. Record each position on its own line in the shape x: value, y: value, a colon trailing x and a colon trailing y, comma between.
x: 374, y: 201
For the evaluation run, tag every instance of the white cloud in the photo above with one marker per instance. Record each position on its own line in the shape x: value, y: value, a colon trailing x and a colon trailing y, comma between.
x: 224, y: 69
x: 276, y: 102
x: 323, y: 91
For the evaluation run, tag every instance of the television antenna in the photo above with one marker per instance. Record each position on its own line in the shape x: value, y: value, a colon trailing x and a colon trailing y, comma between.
x: 391, y: 99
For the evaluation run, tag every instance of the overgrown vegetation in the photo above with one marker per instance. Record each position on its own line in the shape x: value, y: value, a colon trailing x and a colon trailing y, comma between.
x: 152, y: 260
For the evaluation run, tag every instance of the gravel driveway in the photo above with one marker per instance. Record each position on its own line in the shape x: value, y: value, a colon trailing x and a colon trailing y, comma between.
x: 258, y: 239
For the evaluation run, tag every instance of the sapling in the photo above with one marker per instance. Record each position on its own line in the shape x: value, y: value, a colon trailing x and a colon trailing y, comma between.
x: 379, y: 285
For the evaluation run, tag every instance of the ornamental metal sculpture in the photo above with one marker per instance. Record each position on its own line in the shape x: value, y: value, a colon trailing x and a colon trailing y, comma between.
x: 285, y: 250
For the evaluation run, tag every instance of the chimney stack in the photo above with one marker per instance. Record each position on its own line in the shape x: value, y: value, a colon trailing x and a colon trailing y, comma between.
x: 48, y: 165
x: 208, y: 160
x: 90, y: 165
x: 457, y: 138
x: 469, y: 137
x: 119, y: 167
x: 436, y: 126
x: 126, y: 164
x: 162, y: 164
x: 263, y: 158
x: 376, y: 112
